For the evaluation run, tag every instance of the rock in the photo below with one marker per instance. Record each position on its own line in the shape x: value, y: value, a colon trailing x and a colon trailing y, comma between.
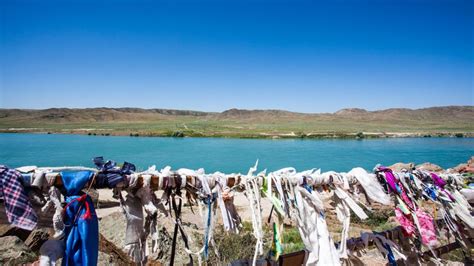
x: 164, y: 246
x: 111, y: 254
x: 13, y: 251
x: 112, y: 227
x: 104, y: 259
x: 153, y: 263
x: 37, y: 238
x: 460, y: 167
x: 470, y: 162
x: 429, y: 167
x: 454, y: 263
x: 463, y: 166
x: 190, y: 225
x: 9, y: 230
x: 400, y: 166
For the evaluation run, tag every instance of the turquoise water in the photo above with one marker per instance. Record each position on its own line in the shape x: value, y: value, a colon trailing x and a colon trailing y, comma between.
x: 230, y: 155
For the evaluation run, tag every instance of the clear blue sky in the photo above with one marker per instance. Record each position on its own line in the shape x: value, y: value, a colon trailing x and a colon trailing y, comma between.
x: 212, y: 56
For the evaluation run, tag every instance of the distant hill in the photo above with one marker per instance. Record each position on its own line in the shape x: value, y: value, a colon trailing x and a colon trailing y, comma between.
x: 242, y: 123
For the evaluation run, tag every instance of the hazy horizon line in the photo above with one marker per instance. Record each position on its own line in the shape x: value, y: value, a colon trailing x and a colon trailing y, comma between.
x: 237, y: 108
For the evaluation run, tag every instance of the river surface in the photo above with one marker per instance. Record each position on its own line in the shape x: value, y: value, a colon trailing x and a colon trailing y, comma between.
x: 230, y: 155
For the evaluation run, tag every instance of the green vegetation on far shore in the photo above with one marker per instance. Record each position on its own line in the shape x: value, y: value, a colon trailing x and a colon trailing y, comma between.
x: 348, y: 123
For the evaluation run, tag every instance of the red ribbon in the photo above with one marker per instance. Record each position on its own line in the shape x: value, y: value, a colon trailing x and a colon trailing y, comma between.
x: 81, y: 199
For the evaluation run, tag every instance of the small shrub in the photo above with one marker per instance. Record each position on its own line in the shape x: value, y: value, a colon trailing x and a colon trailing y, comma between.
x: 242, y: 246
x: 292, y: 240
x: 232, y: 247
x: 376, y: 218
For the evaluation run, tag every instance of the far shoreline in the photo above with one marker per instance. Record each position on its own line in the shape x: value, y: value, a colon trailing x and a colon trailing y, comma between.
x: 267, y: 136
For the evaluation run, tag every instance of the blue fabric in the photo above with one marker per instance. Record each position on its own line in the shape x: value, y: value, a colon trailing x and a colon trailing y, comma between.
x: 82, y: 233
x: 391, y: 257
x: 110, y: 174
x: 209, y: 200
x: 74, y: 182
x: 206, y: 244
x: 306, y: 185
x: 26, y: 179
x: 82, y: 236
x: 431, y: 192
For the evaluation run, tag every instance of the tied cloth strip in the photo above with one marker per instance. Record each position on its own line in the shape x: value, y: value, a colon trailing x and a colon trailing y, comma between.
x: 413, y: 220
x: 384, y: 245
x: 208, y: 202
x: 110, y: 174
x: 81, y: 224
x: 178, y: 225
x: 209, y: 198
x: 409, y: 191
x: 19, y: 210
x: 137, y: 200
x: 225, y: 200
x: 135, y: 245
x: 252, y: 192
x: 83, y: 201
x: 313, y: 228
x: 55, y: 202
x: 277, y: 204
